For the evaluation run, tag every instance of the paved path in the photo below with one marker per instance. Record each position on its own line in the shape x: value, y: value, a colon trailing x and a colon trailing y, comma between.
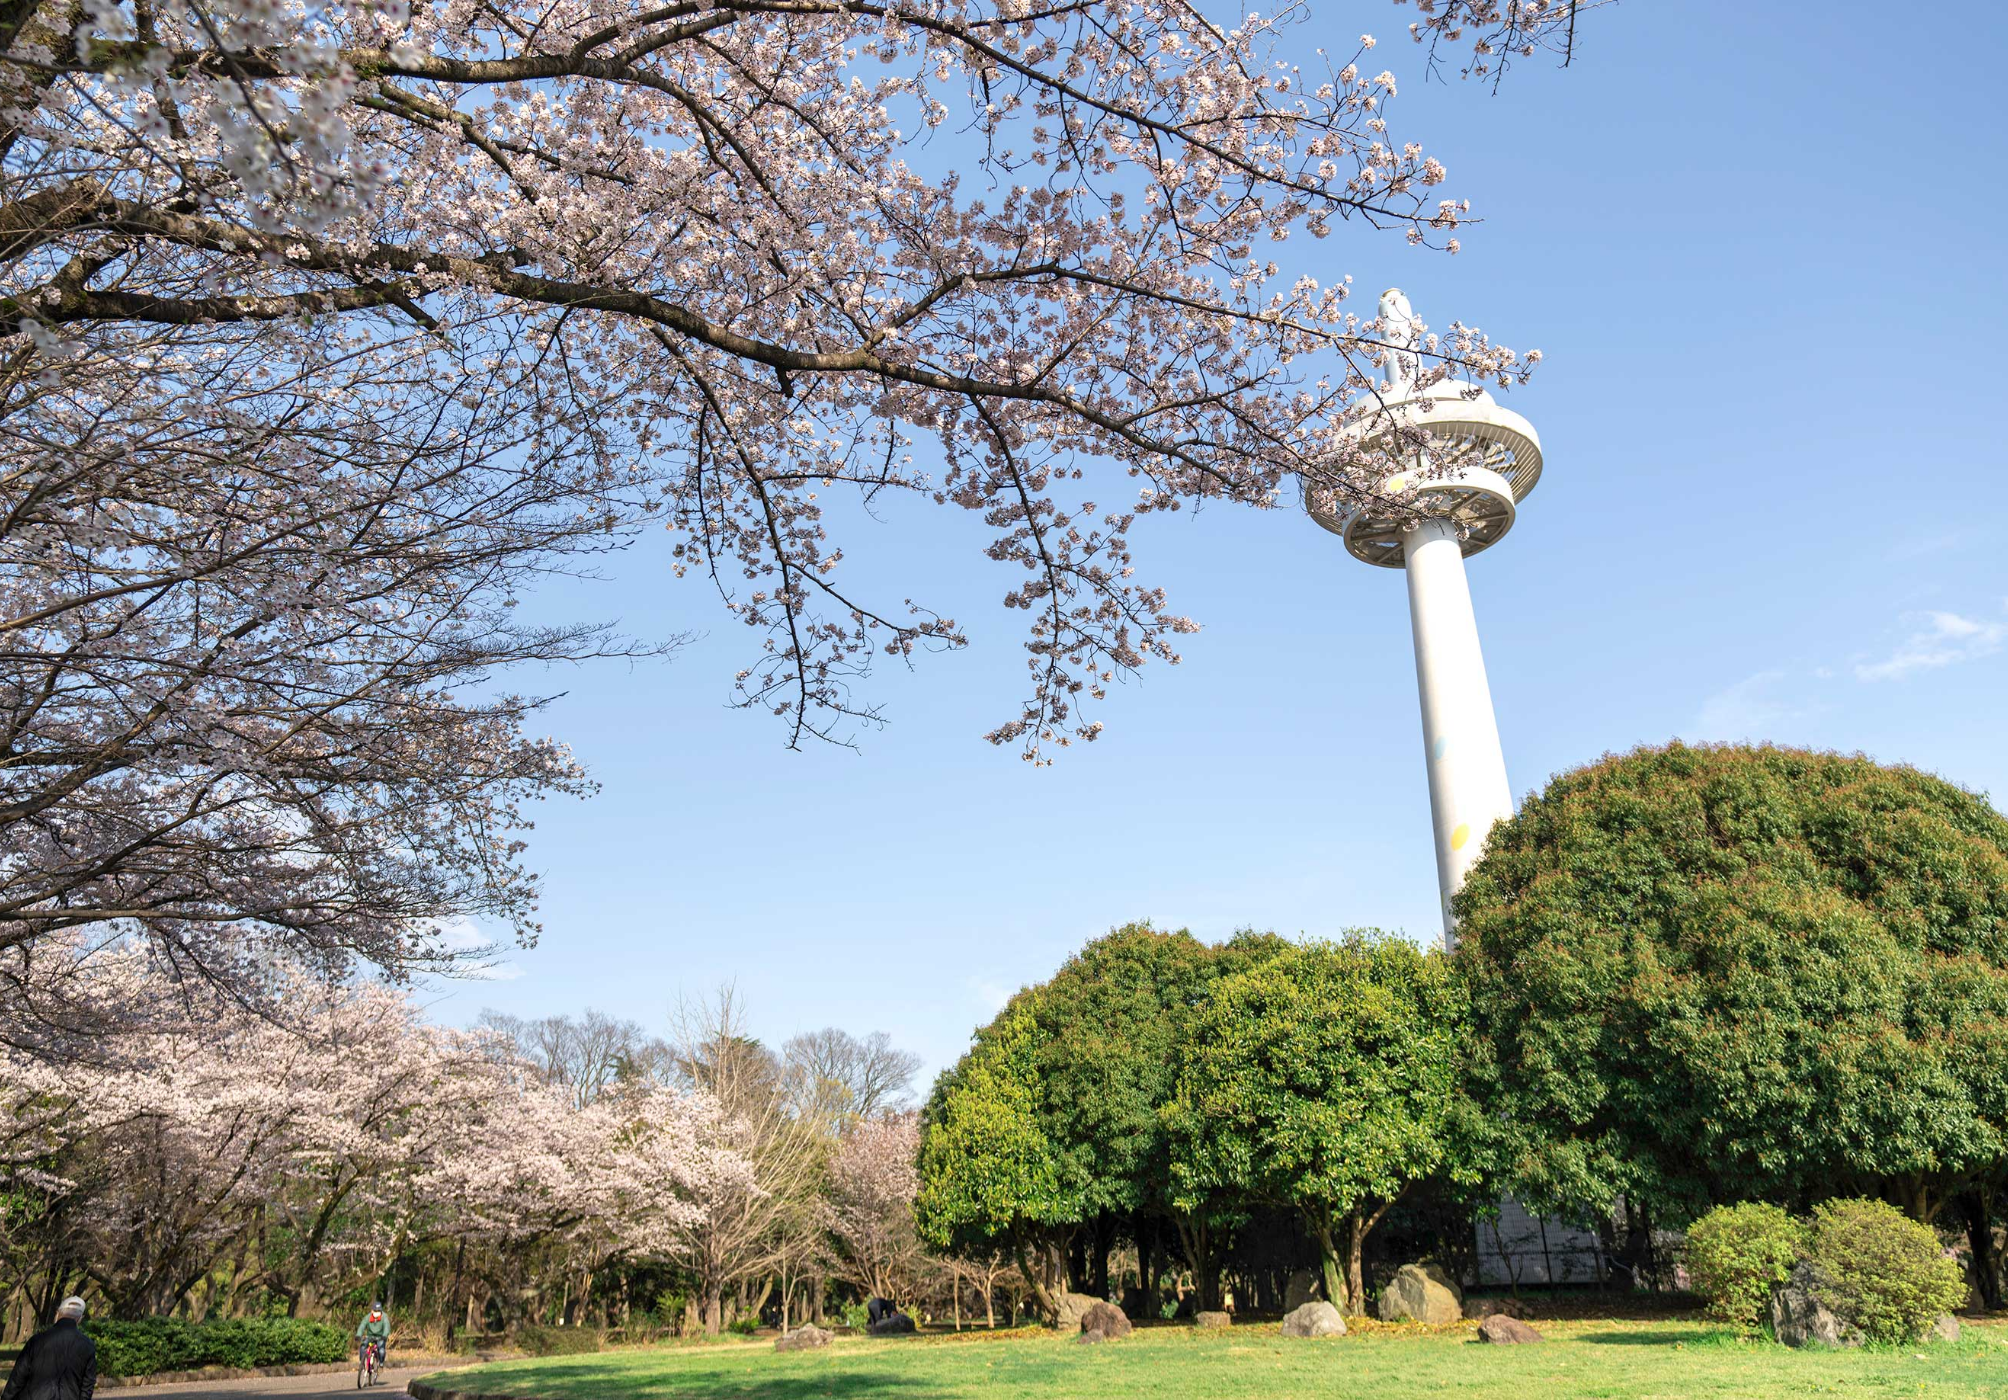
x: 292, y: 1387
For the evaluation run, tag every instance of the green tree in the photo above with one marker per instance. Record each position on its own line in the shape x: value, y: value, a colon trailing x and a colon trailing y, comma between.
x: 1096, y: 1049
x: 1707, y: 974
x: 989, y: 1178
x: 1324, y: 1078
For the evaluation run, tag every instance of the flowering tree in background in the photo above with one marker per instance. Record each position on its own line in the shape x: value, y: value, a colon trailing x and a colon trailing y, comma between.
x: 261, y: 1164
x: 873, y: 1180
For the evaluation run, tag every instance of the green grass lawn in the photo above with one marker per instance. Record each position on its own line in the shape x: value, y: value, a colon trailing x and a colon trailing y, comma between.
x: 1619, y: 1360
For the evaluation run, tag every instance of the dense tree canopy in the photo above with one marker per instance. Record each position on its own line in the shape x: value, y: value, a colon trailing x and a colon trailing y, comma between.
x: 1708, y: 974
x: 1326, y: 1078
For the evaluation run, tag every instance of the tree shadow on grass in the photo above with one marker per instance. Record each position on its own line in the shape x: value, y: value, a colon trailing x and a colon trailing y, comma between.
x: 842, y: 1385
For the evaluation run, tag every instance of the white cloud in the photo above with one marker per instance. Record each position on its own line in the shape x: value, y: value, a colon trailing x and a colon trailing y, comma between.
x: 1745, y: 710
x: 1936, y: 639
x: 990, y: 994
x: 473, y: 952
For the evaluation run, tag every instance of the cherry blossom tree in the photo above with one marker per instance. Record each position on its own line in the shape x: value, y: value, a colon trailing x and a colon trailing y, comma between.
x: 299, y: 1159
x: 330, y: 326
x: 873, y: 1180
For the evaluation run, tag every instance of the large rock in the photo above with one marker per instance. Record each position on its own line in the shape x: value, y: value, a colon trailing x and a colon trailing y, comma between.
x: 1072, y: 1308
x: 1316, y: 1318
x: 1212, y: 1319
x: 1501, y: 1330
x: 802, y: 1339
x: 1946, y: 1329
x: 1301, y: 1289
x: 892, y: 1326
x: 1103, y: 1321
x: 1478, y: 1309
x: 1421, y: 1293
x: 1800, y: 1319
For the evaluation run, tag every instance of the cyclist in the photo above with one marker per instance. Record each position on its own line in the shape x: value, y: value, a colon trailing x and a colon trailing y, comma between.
x: 373, y: 1331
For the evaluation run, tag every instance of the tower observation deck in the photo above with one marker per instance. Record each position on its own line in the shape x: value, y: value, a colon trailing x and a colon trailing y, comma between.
x: 1460, y: 466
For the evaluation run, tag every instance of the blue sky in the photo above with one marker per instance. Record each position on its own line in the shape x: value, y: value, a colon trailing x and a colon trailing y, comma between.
x: 1760, y: 247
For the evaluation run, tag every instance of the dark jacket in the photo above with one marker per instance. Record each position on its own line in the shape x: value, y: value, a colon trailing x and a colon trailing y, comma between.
x: 57, y: 1363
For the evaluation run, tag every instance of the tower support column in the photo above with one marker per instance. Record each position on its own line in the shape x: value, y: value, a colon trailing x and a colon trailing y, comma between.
x: 1468, y: 791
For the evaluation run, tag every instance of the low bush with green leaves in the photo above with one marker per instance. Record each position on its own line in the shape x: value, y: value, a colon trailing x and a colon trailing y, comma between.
x: 1881, y: 1270
x: 150, y: 1345
x: 1735, y: 1253
x: 560, y: 1341
x: 857, y: 1316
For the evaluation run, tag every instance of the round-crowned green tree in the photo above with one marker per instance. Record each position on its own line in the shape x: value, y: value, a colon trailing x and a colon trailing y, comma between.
x: 1326, y: 1078
x: 989, y: 1176
x: 1702, y: 974
x: 1087, y: 1062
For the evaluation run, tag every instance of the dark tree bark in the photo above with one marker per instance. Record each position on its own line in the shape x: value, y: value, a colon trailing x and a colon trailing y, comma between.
x: 1986, y: 1271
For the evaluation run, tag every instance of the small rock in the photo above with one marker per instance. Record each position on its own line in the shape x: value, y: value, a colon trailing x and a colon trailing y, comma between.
x: 893, y: 1326
x: 1104, y: 1320
x: 1212, y: 1319
x: 1800, y: 1319
x: 1502, y: 1330
x: 1301, y: 1289
x: 1422, y: 1293
x: 802, y: 1339
x: 1946, y: 1329
x: 1314, y: 1319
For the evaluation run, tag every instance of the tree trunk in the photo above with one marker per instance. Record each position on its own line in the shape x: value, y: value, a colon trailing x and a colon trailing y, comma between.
x: 1356, y: 1279
x: 1041, y: 1294
x: 714, y: 1308
x: 1336, y: 1291
x: 1104, y: 1232
x: 1980, y: 1236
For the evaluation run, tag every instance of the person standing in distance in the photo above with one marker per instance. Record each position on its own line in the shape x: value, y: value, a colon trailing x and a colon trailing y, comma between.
x: 57, y: 1363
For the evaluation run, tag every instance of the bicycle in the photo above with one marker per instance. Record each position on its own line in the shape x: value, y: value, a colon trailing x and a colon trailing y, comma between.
x: 369, y: 1365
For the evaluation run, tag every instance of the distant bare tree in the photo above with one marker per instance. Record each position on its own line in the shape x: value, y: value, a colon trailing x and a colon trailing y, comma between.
x: 831, y: 1075
x: 750, y: 1233
x: 584, y: 1056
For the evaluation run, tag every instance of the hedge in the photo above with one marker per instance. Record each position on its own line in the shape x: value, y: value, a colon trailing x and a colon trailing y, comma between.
x: 169, y: 1344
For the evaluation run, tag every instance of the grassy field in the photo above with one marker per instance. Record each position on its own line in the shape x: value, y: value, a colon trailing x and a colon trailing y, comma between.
x: 1607, y: 1360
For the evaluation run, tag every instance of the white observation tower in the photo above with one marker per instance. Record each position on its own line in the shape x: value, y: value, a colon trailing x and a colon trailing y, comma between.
x: 1459, y: 467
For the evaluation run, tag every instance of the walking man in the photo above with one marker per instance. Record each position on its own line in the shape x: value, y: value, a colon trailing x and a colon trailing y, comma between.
x: 57, y: 1363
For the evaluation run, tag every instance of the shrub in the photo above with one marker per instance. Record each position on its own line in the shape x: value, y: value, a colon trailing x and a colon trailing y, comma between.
x: 857, y: 1316
x: 1881, y: 1270
x: 745, y: 1326
x: 1734, y: 1255
x: 669, y: 1308
x: 154, y: 1344
x: 560, y: 1341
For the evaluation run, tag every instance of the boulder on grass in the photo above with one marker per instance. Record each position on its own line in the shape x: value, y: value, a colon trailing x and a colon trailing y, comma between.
x: 802, y: 1339
x: 1301, y: 1289
x: 1072, y: 1307
x: 891, y: 1326
x: 1102, y: 1321
x: 1316, y: 1318
x: 1421, y: 1293
x: 1212, y: 1319
x: 1501, y: 1330
x: 1800, y: 1319
x: 1946, y: 1329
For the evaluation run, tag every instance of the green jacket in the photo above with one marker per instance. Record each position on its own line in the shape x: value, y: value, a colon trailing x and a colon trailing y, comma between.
x: 377, y: 1331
